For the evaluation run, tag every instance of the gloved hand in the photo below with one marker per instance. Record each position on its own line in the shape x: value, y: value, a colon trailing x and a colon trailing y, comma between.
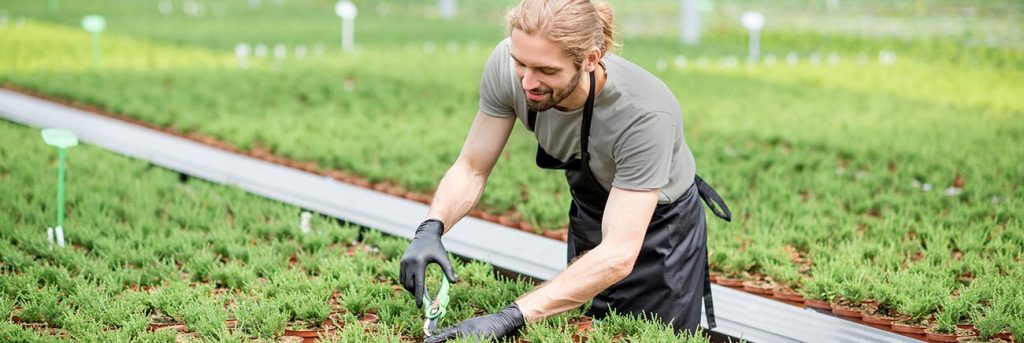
x: 425, y: 248
x: 495, y: 326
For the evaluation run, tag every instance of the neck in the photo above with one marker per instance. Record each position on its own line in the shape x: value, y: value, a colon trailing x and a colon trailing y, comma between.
x: 578, y: 98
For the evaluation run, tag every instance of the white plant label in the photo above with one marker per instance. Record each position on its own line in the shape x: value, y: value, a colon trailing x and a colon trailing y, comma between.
x: 753, y: 21
x: 94, y: 23
x: 348, y: 12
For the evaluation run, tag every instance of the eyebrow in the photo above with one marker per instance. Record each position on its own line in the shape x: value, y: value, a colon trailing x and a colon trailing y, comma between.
x: 556, y: 69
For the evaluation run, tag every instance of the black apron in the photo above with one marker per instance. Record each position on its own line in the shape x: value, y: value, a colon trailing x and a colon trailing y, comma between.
x: 670, y: 275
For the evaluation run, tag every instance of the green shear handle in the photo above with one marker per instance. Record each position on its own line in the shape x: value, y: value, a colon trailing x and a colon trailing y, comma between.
x: 436, y: 308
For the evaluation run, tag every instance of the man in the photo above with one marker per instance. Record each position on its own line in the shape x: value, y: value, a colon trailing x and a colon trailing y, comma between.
x: 637, y: 236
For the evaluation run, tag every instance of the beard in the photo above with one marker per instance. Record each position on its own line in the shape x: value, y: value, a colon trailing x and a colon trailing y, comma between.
x: 553, y: 96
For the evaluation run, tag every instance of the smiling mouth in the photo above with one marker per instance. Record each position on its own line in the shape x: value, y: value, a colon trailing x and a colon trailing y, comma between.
x: 536, y: 95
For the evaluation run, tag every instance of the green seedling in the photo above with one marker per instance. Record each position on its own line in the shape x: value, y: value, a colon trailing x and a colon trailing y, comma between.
x: 62, y: 139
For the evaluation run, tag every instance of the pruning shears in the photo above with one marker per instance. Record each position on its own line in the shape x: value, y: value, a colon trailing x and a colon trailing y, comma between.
x: 434, y: 309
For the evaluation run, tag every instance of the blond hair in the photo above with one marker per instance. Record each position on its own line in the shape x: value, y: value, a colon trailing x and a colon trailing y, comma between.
x: 577, y: 26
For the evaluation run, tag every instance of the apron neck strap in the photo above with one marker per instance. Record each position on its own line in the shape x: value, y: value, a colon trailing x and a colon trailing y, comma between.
x: 588, y: 114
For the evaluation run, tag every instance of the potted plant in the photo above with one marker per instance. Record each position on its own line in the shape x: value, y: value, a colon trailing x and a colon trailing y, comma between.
x: 735, y: 270
x: 917, y: 308
x: 882, y: 310
x: 788, y: 278
x: 819, y: 291
x: 261, y: 318
x: 849, y: 302
x: 309, y: 316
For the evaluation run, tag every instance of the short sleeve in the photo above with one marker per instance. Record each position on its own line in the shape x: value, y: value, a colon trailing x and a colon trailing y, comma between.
x: 643, y: 153
x: 496, y: 97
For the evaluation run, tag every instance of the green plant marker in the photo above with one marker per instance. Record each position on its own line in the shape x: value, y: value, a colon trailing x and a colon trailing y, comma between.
x: 95, y: 24
x: 61, y: 139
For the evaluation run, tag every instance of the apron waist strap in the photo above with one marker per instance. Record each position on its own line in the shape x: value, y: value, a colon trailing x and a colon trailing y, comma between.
x: 714, y: 201
x: 709, y: 306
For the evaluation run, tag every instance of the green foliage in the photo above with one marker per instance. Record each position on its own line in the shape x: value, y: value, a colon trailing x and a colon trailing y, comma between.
x: 202, y: 264
x: 206, y: 318
x: 233, y: 275
x: 261, y: 318
x: 43, y: 306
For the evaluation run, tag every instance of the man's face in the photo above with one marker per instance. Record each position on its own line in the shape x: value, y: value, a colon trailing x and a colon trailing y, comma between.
x: 548, y: 74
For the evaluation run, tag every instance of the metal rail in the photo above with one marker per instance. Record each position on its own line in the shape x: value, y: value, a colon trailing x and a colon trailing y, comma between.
x: 739, y: 314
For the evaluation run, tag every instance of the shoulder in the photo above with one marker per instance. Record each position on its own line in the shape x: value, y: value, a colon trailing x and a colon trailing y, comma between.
x: 638, y: 91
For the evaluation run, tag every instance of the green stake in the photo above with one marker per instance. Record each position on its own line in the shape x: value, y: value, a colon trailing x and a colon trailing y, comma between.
x: 95, y: 24
x: 61, y: 139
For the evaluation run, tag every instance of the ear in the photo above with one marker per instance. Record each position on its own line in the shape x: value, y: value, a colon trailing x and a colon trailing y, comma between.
x: 593, y: 58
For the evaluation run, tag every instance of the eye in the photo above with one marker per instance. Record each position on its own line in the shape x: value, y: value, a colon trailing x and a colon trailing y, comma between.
x: 548, y: 71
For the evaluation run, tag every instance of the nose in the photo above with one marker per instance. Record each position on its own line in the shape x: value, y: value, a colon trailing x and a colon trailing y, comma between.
x: 529, y: 80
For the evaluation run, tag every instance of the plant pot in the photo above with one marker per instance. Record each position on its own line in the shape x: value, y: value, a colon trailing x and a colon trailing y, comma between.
x: 788, y: 294
x: 396, y: 191
x: 759, y: 287
x: 161, y: 326
x: 526, y: 226
x: 818, y: 304
x: 1004, y: 335
x: 846, y: 311
x: 713, y: 276
x: 880, y: 320
x: 560, y: 235
x: 507, y: 221
x: 370, y: 317
x: 308, y: 335
x: 914, y: 329
x: 584, y: 324
x: 488, y: 217
x: 730, y: 282
x: 946, y: 338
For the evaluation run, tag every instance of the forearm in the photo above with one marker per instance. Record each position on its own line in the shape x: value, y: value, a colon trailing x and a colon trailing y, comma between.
x: 456, y: 194
x: 581, y: 281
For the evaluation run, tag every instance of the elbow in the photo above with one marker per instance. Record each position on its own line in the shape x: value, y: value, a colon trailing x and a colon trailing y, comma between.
x: 620, y: 264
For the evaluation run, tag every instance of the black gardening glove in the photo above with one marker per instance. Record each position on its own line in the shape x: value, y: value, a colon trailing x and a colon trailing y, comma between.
x: 425, y: 248
x: 495, y: 326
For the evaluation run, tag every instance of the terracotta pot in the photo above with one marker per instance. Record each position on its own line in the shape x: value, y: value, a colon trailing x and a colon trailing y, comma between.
x: 818, y: 304
x: 585, y: 324
x: 846, y: 311
x: 174, y: 326
x: 526, y: 226
x: 713, y: 276
x: 488, y: 217
x: 880, y: 320
x: 231, y: 323
x: 915, y: 329
x: 362, y: 183
x: 560, y: 235
x: 730, y: 282
x: 370, y: 317
x: 787, y: 294
x: 946, y: 338
x: 396, y: 191
x: 507, y: 221
x: 308, y: 336
x: 1005, y: 335
x: 759, y: 287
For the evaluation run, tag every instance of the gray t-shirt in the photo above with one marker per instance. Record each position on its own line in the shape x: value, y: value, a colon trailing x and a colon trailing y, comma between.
x: 636, y: 136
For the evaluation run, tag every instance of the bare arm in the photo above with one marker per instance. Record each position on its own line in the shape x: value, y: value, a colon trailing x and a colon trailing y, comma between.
x: 461, y: 187
x: 626, y: 217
